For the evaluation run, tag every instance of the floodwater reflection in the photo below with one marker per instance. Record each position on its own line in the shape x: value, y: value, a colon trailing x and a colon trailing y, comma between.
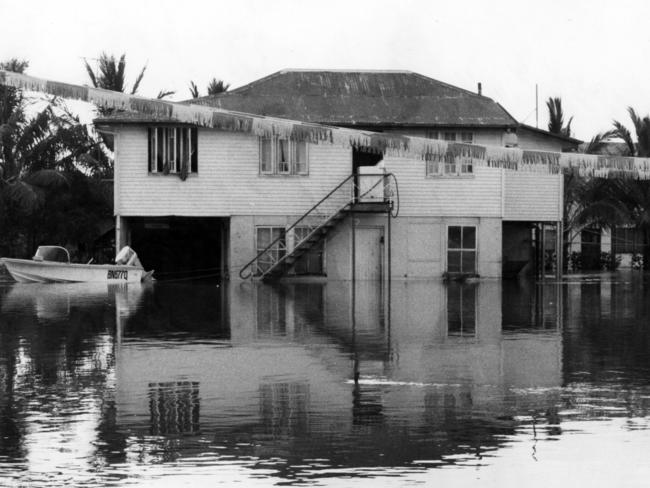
x: 314, y: 382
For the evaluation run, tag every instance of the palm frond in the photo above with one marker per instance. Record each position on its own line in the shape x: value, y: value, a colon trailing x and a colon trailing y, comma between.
x: 136, y: 85
x: 91, y: 73
x: 622, y: 132
x: 194, y: 90
x: 164, y: 93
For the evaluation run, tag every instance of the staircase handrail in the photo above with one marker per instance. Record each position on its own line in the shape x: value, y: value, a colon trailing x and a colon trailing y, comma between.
x: 314, y: 207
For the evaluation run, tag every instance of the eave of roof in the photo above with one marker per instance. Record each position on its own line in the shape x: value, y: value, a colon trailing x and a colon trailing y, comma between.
x: 546, y: 133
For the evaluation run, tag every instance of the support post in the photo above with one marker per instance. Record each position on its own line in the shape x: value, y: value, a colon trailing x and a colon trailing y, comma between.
x: 543, y: 250
x: 559, y: 250
x: 353, y: 272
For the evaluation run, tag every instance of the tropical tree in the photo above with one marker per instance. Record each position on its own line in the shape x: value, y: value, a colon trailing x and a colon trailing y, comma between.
x: 641, y: 147
x: 110, y: 73
x: 556, y: 117
x: 215, y: 87
x: 40, y: 153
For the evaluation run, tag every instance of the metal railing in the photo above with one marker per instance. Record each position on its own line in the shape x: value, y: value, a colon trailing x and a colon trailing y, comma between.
x: 349, y: 191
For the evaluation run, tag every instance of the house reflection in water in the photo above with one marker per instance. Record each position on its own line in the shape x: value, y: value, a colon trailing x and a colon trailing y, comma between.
x: 334, y: 370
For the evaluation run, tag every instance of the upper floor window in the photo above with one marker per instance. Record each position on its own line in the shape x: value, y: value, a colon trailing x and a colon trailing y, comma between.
x: 449, y: 136
x: 283, y: 157
x: 450, y: 166
x: 173, y: 150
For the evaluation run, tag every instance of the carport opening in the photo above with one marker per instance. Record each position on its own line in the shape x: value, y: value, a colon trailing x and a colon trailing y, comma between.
x: 180, y: 248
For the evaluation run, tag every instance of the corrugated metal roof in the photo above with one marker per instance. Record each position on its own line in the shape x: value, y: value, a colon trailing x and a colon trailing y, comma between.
x: 362, y: 98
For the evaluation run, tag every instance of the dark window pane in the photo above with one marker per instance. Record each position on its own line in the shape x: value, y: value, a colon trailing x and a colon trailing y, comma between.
x: 468, y: 261
x: 151, y: 148
x: 453, y: 261
x: 469, y: 237
x: 179, y: 145
x: 454, y: 234
x: 161, y: 149
x: 195, y: 151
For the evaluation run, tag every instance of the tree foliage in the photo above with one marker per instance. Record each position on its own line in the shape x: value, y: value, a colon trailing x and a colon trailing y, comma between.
x: 556, y: 117
x: 46, y: 157
x: 215, y: 87
x: 110, y: 73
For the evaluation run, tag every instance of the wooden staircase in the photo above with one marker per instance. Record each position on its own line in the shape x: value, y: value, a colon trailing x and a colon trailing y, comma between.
x: 261, y: 267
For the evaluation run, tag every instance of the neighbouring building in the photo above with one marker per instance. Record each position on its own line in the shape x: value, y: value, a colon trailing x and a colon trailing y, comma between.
x: 239, y: 192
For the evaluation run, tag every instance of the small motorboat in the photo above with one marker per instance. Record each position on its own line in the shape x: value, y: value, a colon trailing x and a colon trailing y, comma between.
x: 51, y: 264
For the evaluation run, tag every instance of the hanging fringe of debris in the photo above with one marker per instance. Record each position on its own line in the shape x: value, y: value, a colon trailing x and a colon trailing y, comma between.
x: 503, y: 157
x: 384, y: 143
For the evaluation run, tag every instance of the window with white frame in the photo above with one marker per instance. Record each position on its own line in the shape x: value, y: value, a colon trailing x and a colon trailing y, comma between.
x: 264, y: 237
x: 280, y: 156
x: 461, y: 249
x: 173, y: 150
x: 450, y: 166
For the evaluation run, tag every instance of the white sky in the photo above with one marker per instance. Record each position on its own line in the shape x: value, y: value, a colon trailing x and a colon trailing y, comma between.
x: 591, y: 53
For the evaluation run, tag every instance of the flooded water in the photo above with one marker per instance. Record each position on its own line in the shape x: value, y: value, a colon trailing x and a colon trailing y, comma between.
x: 326, y: 384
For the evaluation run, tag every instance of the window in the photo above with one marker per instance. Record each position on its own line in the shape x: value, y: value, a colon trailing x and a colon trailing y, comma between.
x: 431, y: 134
x: 264, y: 237
x: 283, y: 157
x: 467, y: 137
x: 173, y: 148
x: 461, y: 249
x: 450, y: 166
x: 461, y: 310
x: 449, y: 136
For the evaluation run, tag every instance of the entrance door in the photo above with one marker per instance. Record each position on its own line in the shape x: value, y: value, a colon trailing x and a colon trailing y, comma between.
x: 369, y: 243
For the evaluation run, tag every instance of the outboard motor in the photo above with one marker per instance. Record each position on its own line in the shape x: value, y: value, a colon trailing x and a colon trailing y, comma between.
x: 127, y: 257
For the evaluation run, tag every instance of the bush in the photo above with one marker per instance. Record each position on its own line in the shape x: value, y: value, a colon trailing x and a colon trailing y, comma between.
x: 609, y: 261
x: 637, y: 261
x: 575, y: 261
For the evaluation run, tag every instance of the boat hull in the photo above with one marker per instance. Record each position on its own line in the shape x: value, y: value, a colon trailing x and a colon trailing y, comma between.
x: 28, y: 271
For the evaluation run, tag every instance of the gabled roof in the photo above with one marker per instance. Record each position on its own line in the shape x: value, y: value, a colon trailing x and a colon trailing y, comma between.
x: 363, y: 99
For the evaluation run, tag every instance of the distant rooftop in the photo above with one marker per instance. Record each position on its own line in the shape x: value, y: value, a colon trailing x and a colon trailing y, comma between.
x: 362, y: 98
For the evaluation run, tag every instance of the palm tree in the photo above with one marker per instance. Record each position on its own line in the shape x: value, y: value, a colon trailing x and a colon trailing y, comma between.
x: 556, y: 117
x: 214, y: 88
x: 217, y: 86
x: 642, y: 128
x: 110, y: 73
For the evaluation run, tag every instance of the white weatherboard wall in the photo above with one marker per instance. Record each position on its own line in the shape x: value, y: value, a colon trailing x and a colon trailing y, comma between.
x: 476, y: 195
x: 532, y: 197
x: 228, y: 180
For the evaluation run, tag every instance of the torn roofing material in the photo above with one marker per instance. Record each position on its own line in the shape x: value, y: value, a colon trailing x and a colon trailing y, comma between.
x: 398, y: 145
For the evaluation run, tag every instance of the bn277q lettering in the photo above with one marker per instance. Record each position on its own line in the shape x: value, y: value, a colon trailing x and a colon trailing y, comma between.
x: 118, y: 274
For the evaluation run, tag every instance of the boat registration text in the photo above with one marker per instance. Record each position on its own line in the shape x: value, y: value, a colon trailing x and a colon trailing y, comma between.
x: 118, y: 274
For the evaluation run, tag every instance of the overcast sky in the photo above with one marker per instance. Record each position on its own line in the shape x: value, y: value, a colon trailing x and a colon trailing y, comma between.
x: 593, y: 54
